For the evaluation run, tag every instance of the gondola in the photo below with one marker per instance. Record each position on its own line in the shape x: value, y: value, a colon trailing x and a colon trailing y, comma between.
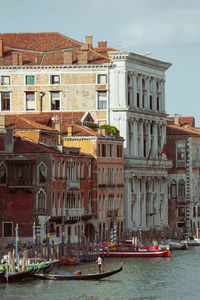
x: 16, y: 276
x: 78, y: 275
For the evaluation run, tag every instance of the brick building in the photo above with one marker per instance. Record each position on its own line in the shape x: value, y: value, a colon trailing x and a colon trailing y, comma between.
x: 183, y: 141
x: 49, y: 72
x: 40, y: 184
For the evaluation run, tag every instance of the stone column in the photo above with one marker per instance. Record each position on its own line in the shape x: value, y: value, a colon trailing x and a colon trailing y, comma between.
x: 147, y: 93
x: 155, y: 141
x: 141, y: 140
x: 154, y: 94
x: 134, y: 90
x: 140, y: 91
x: 148, y: 139
x: 123, y: 90
x: 135, y: 137
x: 162, y: 95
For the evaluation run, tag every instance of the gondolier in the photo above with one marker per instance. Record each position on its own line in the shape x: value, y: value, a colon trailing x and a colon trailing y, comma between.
x: 99, y: 261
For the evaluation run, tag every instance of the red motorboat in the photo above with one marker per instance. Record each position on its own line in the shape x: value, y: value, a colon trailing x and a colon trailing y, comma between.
x: 130, y: 251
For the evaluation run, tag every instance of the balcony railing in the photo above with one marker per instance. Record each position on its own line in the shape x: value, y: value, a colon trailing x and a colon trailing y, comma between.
x: 74, y: 212
x: 113, y: 213
x: 181, y: 199
x: 73, y: 184
x: 180, y: 164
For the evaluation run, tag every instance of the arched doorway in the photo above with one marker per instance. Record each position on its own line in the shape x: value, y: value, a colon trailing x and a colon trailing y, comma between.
x: 90, y: 232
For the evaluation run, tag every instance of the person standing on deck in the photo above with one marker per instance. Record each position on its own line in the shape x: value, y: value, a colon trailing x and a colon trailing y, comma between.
x: 99, y: 261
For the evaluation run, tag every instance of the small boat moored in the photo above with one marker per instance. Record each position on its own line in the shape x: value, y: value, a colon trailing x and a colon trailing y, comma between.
x: 79, y: 276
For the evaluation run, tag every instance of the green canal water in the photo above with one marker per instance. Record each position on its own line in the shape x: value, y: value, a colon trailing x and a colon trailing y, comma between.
x: 176, y: 277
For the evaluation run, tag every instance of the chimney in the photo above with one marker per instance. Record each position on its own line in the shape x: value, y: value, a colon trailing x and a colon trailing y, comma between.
x: 88, y: 40
x: 20, y: 57
x: 15, y: 56
x: 68, y: 57
x: 1, y: 48
x: 176, y: 119
x: 69, y: 131
x: 82, y: 57
x: 102, y: 44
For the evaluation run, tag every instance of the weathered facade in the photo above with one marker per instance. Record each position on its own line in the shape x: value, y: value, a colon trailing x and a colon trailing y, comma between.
x: 183, y: 141
x: 118, y: 88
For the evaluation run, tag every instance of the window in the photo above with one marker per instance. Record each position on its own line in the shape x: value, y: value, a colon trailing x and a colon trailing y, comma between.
x: 110, y: 150
x: 104, y: 150
x: 181, y: 211
x: 5, y: 101
x: 119, y: 150
x: 55, y: 100
x: 42, y: 174
x: 173, y: 189
x: 99, y: 149
x: 150, y: 103
x: 181, y: 191
x: 7, y: 229
x: 55, y: 79
x: 30, y: 80
x: 102, y: 99
x: 2, y: 174
x: 158, y: 104
x: 101, y: 78
x: 41, y: 202
x: 30, y: 101
x: 180, y: 149
x: 138, y: 100
x: 5, y: 80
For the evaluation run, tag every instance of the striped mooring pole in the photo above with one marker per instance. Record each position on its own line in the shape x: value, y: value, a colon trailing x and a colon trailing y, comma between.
x: 16, y: 242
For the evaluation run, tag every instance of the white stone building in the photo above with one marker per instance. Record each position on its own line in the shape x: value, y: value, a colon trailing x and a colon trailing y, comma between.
x: 136, y: 106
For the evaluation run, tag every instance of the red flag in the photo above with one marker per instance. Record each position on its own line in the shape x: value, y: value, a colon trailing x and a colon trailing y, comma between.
x: 165, y: 150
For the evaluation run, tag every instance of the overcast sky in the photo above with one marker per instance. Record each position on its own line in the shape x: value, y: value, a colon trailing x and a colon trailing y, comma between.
x: 169, y: 29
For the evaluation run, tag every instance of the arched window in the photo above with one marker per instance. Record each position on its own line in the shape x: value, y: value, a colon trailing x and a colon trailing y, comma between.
x: 74, y: 171
x: 41, y: 202
x: 89, y: 171
x: 58, y: 170
x: 42, y: 173
x: 79, y: 171
x: 53, y: 169
x: 173, y: 189
x: 180, y: 151
x: 82, y: 171
x: 181, y: 190
x: 2, y: 173
x: 63, y: 169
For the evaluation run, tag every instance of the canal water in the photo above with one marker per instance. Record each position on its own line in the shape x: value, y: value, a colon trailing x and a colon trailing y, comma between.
x: 174, y: 278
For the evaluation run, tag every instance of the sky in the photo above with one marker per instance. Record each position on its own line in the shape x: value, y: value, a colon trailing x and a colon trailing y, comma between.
x: 168, y: 29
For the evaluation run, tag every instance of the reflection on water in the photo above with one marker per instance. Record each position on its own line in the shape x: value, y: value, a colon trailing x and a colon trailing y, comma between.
x: 171, y: 278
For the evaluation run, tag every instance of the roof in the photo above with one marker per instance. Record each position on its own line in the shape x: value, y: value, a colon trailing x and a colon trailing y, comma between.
x: 47, y: 48
x: 46, y: 120
x: 24, y: 146
x: 21, y: 122
x: 183, y: 121
x: 173, y: 129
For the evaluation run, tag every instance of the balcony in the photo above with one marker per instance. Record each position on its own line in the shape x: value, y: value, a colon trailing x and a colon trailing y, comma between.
x: 180, y: 164
x: 195, y: 164
x: 113, y: 213
x: 73, y: 184
x: 181, y: 200
x: 74, y: 212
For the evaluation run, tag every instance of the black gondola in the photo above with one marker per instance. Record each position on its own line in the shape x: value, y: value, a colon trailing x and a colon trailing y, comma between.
x: 73, y: 276
x: 16, y: 276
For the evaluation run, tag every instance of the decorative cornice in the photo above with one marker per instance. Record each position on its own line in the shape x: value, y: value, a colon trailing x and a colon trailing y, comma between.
x: 10, y: 67
x: 140, y: 59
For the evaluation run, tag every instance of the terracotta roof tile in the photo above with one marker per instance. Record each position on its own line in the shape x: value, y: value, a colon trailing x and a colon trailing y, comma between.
x: 182, y: 121
x: 177, y: 129
x: 47, y: 48
x: 25, y: 146
x: 19, y: 122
